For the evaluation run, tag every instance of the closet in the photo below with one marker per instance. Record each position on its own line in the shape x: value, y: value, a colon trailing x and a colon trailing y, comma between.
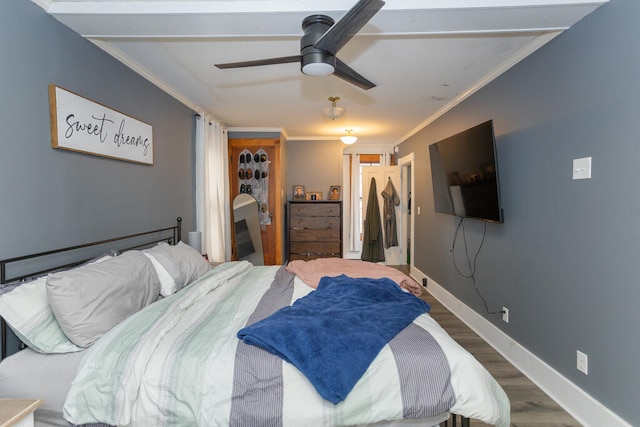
x: 255, y: 168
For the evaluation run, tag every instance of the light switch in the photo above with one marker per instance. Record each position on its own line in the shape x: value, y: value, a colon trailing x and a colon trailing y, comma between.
x: 582, y: 168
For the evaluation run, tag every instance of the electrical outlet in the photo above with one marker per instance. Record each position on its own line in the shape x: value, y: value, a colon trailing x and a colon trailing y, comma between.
x: 582, y: 362
x: 505, y: 314
x: 424, y: 282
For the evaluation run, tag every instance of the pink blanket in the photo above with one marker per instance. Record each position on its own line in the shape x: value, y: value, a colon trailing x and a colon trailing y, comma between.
x: 311, y: 271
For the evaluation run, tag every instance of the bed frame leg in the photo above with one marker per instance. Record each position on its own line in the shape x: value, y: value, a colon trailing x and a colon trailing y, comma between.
x: 464, y: 421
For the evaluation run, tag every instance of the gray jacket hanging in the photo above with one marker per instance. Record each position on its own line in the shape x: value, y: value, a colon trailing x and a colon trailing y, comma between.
x: 391, y: 200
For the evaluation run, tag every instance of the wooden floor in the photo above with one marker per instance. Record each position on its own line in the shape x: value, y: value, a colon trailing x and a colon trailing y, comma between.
x: 530, y: 406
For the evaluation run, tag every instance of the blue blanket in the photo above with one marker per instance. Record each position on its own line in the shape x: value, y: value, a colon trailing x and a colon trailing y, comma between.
x: 333, y: 334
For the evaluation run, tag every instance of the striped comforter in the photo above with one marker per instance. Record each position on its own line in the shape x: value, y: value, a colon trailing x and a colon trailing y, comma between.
x: 179, y: 363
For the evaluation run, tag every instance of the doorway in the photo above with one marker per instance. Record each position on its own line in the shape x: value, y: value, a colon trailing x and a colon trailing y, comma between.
x: 383, y: 174
x: 355, y: 200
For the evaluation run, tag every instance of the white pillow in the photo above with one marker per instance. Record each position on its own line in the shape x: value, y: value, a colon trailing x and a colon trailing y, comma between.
x: 180, y: 265
x: 28, y: 314
x: 167, y: 284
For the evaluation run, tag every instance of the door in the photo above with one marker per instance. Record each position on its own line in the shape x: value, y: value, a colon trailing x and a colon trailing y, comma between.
x: 272, y: 219
x: 382, y: 174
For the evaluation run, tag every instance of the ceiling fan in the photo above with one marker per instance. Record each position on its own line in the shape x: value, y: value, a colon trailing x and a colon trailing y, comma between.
x: 321, y: 42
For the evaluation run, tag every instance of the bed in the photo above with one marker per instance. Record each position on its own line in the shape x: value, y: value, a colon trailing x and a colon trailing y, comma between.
x: 329, y: 342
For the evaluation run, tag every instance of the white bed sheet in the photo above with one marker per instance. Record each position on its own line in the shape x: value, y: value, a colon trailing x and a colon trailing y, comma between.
x: 31, y: 375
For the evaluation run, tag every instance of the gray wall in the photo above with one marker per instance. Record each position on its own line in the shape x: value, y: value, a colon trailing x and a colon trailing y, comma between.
x: 315, y: 164
x: 565, y: 261
x: 51, y: 197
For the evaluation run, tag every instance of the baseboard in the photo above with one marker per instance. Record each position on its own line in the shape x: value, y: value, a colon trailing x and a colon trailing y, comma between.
x: 583, y: 407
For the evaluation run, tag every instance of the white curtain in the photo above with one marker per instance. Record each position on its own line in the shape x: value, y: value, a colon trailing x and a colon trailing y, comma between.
x: 212, y: 188
x: 355, y: 245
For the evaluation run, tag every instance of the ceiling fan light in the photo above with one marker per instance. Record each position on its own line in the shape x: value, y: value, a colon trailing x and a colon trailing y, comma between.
x: 317, y: 69
x: 348, y: 138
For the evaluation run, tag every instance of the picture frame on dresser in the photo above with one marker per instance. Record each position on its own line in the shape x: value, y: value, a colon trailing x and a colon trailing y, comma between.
x: 334, y: 192
x: 298, y: 192
x: 314, y: 195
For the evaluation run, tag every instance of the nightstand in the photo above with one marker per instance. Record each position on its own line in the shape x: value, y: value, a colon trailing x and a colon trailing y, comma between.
x: 18, y: 412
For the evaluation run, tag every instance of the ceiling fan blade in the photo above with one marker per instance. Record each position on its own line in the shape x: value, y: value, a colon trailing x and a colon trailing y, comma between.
x: 258, y: 62
x: 348, y: 74
x: 347, y: 26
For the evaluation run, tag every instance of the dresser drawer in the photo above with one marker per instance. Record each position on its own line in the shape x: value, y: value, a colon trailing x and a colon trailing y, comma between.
x: 310, y: 235
x: 314, y: 209
x: 318, y: 248
x: 315, y: 222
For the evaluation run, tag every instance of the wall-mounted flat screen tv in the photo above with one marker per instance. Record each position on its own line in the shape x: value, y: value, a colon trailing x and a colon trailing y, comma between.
x: 465, y: 175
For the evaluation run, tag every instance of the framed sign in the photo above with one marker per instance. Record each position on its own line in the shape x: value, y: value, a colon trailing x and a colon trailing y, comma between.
x: 79, y: 124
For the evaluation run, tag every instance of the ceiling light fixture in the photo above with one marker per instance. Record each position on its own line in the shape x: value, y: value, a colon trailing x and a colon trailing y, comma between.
x: 333, y: 112
x: 348, y: 138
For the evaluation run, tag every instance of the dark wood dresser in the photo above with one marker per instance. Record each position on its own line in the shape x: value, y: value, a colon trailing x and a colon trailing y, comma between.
x: 315, y: 229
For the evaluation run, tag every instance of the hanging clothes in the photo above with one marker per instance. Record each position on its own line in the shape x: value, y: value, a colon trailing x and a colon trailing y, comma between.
x: 372, y: 244
x: 391, y: 200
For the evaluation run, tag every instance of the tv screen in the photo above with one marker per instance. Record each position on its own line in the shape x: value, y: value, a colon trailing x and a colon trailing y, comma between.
x: 465, y: 176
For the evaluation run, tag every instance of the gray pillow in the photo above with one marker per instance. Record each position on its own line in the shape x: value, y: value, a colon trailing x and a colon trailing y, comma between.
x: 183, y: 264
x: 25, y: 307
x: 92, y: 299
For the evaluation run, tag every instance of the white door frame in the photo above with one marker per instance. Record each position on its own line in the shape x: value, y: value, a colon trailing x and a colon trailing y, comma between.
x: 407, y: 180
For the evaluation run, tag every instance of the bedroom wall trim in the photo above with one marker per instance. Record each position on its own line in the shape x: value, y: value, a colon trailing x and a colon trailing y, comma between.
x: 582, y: 406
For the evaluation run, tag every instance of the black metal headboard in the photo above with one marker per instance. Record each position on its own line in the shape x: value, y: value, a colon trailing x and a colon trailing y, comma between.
x: 75, y: 255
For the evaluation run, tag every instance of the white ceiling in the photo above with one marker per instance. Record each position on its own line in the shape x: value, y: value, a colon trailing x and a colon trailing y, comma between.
x: 424, y: 55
